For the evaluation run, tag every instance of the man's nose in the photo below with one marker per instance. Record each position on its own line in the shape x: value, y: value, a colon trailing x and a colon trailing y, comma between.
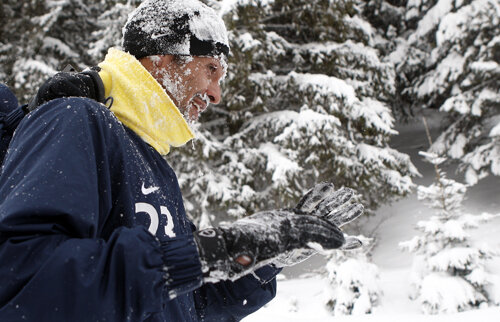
x: 214, y: 92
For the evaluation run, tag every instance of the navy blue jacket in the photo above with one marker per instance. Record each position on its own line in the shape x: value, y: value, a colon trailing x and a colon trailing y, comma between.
x: 78, y: 194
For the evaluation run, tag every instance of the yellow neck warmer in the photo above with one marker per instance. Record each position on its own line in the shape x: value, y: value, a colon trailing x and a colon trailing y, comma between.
x: 141, y: 104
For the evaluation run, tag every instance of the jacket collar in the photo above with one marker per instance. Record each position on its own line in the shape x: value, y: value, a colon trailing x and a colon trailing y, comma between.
x: 141, y: 104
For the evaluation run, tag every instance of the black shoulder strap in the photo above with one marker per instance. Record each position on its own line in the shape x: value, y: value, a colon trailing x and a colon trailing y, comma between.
x: 93, y: 73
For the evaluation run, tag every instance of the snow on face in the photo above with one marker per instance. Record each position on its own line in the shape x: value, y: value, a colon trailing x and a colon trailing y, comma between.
x: 174, y: 85
x: 192, y: 82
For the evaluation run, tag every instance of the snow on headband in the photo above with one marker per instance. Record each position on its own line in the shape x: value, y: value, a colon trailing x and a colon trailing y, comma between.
x: 175, y: 27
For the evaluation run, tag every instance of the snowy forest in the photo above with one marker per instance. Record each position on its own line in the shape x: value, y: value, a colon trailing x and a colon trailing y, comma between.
x: 318, y: 90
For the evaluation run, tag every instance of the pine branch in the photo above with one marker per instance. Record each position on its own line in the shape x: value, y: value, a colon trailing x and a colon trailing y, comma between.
x: 436, y: 168
x: 280, y: 14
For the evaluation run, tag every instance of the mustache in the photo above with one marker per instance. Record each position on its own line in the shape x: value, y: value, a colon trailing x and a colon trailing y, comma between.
x: 205, y: 101
x: 203, y: 97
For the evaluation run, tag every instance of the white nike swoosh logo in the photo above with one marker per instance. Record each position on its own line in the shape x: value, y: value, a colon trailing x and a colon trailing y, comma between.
x: 147, y: 191
x: 154, y: 37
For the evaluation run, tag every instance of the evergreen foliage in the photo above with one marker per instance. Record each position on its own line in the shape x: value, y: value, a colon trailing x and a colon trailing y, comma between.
x: 112, y: 17
x: 353, y: 282
x: 39, y: 38
x: 448, y: 58
x: 305, y: 100
x: 450, y: 272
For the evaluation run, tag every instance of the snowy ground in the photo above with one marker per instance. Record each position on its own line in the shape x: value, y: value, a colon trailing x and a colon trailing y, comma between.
x: 302, y: 300
x: 301, y: 293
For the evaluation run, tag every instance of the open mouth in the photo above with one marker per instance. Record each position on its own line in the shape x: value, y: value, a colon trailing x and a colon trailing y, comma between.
x: 197, y: 105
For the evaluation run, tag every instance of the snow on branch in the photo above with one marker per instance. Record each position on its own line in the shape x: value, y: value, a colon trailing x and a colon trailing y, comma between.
x: 451, y: 275
x: 59, y: 46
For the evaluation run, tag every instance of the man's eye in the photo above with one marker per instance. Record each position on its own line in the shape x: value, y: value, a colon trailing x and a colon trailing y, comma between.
x: 212, y: 68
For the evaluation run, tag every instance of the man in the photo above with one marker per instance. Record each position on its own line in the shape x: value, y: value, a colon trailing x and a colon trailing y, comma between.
x: 92, y: 223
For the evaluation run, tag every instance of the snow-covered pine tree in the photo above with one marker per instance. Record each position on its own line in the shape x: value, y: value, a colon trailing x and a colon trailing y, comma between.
x: 112, y: 17
x: 449, y: 270
x: 448, y: 58
x: 39, y: 38
x: 353, y: 282
x: 305, y: 100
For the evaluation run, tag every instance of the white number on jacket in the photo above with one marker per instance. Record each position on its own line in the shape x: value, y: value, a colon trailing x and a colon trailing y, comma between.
x: 155, y: 219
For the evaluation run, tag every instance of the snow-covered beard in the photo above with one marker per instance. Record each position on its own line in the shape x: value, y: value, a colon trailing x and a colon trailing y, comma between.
x: 174, y: 86
x: 178, y: 92
x: 174, y: 83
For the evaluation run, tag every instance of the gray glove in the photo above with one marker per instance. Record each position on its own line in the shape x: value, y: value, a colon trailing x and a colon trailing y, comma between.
x: 323, y: 201
x: 231, y: 251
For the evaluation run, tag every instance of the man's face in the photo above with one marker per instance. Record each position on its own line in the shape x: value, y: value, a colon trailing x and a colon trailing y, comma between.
x: 192, y: 82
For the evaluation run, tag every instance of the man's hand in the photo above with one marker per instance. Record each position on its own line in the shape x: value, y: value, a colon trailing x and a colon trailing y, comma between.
x: 323, y: 201
x: 229, y: 252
